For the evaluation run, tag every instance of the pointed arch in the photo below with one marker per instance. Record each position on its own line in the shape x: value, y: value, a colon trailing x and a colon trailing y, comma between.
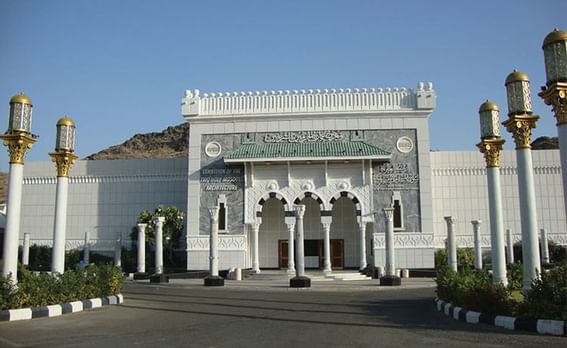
x: 313, y: 195
x: 272, y: 194
x: 350, y: 196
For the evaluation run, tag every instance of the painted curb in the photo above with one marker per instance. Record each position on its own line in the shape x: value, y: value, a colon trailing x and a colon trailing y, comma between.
x: 541, y: 326
x: 57, y: 310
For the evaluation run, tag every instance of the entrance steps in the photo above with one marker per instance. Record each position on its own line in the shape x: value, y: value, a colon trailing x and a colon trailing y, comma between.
x: 273, y: 275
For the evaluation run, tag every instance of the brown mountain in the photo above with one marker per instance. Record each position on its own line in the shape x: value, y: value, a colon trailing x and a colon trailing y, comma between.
x: 546, y: 143
x: 171, y: 142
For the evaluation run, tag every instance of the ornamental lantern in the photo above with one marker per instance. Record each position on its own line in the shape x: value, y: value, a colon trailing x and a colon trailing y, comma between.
x: 489, y: 120
x: 555, y: 55
x: 518, y: 92
x: 20, y: 114
x: 65, y: 140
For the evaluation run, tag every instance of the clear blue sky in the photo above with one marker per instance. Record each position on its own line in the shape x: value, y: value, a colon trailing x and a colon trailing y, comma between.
x: 120, y: 67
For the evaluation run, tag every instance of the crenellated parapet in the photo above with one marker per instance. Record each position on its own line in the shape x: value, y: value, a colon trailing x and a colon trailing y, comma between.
x: 309, y: 101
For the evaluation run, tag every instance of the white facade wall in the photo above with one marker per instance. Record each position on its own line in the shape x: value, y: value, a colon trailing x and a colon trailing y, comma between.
x: 460, y: 190
x: 105, y: 198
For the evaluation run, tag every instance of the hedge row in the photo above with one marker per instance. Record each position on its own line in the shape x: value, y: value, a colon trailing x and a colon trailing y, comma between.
x: 473, y: 290
x: 42, y: 289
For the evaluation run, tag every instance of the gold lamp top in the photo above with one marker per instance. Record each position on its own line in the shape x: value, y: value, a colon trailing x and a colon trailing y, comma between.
x: 20, y: 99
x: 516, y: 76
x: 66, y: 121
x: 488, y: 106
x: 554, y: 36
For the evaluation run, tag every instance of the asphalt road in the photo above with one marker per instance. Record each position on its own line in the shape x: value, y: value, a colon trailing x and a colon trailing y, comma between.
x: 186, y: 314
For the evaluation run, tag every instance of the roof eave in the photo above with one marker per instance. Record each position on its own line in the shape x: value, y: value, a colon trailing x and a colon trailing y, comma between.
x: 303, y: 159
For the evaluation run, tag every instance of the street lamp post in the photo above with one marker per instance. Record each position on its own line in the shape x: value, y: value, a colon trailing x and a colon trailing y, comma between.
x: 554, y: 93
x: 490, y: 145
x: 520, y: 123
x: 18, y: 139
x: 64, y: 157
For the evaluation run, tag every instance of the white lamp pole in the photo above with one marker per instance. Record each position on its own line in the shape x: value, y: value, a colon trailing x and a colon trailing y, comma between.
x: 18, y: 139
x: 554, y: 93
x: 490, y: 145
x: 64, y: 158
x: 520, y: 123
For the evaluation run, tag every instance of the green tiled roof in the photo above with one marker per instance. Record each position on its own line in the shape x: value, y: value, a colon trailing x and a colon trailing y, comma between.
x: 283, y: 151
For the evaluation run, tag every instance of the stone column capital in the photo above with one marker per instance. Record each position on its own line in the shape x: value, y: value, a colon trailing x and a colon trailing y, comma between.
x: 18, y: 143
x: 491, y: 149
x: 64, y: 160
x: 142, y: 227
x: 556, y: 96
x: 520, y: 126
x: 388, y: 213
x: 476, y: 223
x: 290, y: 226
x: 299, y: 210
x: 450, y: 220
x: 214, y: 212
x: 159, y: 220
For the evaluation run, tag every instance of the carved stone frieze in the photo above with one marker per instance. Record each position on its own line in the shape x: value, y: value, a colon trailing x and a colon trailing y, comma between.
x: 225, y: 242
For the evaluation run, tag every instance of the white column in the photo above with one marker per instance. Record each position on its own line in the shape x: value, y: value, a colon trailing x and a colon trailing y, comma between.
x: 213, y: 242
x: 141, y: 248
x: 451, y: 243
x: 562, y: 134
x: 477, y: 247
x: 86, y: 249
x: 290, y: 248
x: 60, y: 225
x: 362, y: 226
x: 26, y: 250
x: 118, y: 251
x: 497, y: 247
x: 510, y: 244
x: 327, y: 248
x: 299, y: 252
x: 544, y: 246
x: 389, y: 239
x: 256, y: 248
x: 530, y: 249
x: 159, y: 220
x: 12, y: 232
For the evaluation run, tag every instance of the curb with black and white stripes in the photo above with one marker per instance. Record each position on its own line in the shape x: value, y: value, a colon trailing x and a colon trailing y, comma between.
x: 549, y: 327
x: 60, y: 309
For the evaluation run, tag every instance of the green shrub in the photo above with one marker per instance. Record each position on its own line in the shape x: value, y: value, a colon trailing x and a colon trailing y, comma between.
x: 547, y: 298
x: 515, y: 275
x: 473, y: 289
x: 35, y: 290
x: 465, y: 258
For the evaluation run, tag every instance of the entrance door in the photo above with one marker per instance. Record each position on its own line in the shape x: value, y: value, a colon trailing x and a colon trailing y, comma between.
x: 337, y: 253
x: 283, y: 253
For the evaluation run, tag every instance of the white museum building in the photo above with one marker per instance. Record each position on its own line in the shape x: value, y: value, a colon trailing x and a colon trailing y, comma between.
x: 344, y: 154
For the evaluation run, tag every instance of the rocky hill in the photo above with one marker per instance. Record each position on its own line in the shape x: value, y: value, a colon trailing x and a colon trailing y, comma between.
x: 546, y: 143
x: 171, y: 142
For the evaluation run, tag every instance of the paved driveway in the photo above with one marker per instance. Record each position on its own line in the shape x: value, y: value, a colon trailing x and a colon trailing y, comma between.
x: 260, y: 314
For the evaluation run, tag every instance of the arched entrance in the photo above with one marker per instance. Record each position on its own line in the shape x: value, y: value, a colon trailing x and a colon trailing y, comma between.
x: 271, y: 230
x: 345, y: 227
